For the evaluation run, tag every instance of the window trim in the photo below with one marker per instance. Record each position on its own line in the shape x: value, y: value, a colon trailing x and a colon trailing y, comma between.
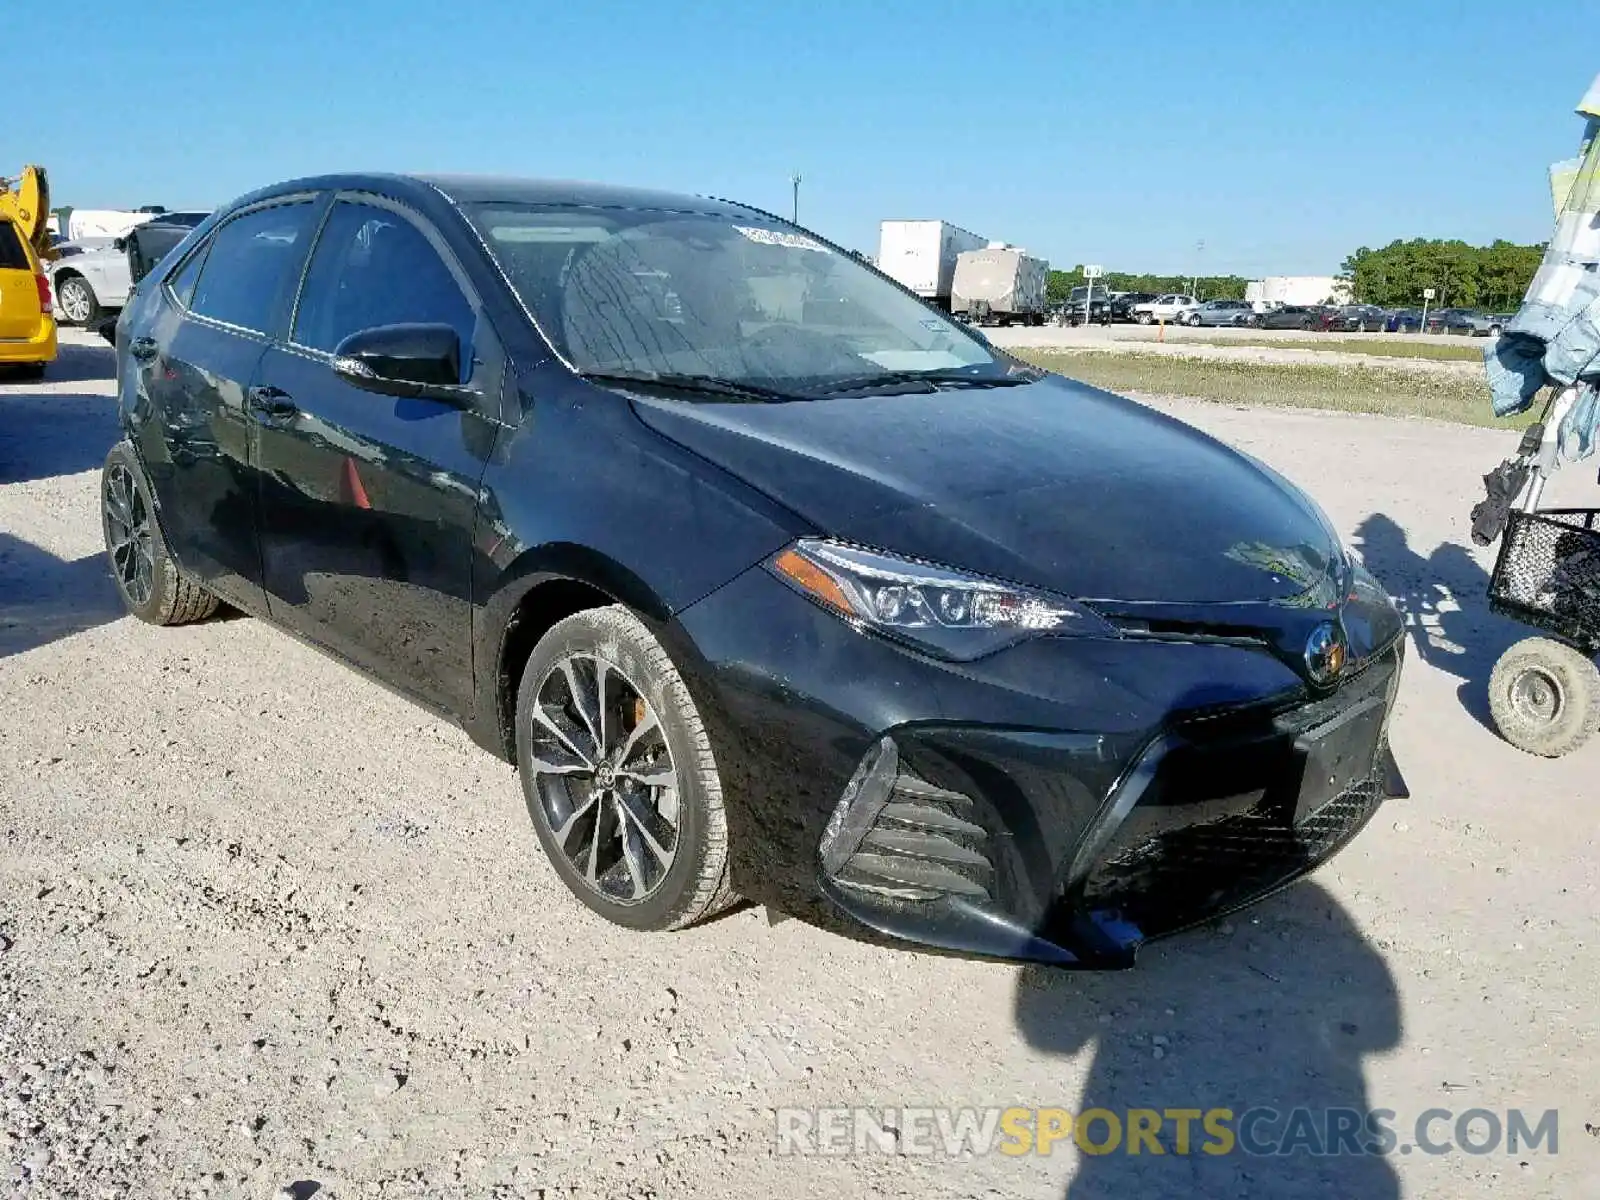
x: 431, y: 235
x: 206, y: 243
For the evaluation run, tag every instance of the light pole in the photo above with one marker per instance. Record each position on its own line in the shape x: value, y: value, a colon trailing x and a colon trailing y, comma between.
x: 1194, y: 280
x: 795, y: 180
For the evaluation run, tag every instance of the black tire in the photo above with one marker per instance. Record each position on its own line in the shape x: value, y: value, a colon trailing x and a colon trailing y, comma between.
x: 23, y: 373
x: 1494, y: 331
x: 148, y: 580
x: 1144, y: 318
x: 1545, y: 697
x: 695, y: 884
x: 74, y: 293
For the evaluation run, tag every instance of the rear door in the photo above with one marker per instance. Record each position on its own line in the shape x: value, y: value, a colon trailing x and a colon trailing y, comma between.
x: 19, y: 289
x: 368, y: 501
x: 197, y: 358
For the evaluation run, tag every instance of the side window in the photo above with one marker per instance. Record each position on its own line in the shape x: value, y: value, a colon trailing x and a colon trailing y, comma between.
x: 182, y: 283
x: 252, y: 264
x: 373, y: 267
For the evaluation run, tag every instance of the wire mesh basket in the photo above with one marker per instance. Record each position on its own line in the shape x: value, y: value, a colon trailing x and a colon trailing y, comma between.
x: 1548, y: 574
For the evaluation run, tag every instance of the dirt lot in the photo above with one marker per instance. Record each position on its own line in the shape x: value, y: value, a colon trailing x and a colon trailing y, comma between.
x: 266, y: 929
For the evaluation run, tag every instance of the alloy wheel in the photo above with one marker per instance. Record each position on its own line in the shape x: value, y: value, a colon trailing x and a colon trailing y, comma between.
x: 129, y: 535
x: 74, y: 298
x: 605, y: 777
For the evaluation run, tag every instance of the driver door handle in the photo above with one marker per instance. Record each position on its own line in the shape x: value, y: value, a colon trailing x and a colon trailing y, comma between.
x: 271, y: 404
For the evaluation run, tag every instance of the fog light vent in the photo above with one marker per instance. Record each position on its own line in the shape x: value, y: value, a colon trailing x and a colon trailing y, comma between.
x: 894, y: 834
x: 863, y: 799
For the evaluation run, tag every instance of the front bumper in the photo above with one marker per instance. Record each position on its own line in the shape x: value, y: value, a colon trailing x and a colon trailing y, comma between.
x: 40, y: 347
x: 1063, y: 801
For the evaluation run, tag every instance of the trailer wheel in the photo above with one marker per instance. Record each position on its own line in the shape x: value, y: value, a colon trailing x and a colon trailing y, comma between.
x: 1545, y: 697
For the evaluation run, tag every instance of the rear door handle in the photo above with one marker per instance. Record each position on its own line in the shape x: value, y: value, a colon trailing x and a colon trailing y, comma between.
x: 144, y: 348
x: 271, y: 404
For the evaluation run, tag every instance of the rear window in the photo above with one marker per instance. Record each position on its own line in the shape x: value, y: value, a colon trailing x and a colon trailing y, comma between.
x: 252, y: 263
x: 12, y: 255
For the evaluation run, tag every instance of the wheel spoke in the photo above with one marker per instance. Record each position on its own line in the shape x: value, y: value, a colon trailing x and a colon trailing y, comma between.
x: 542, y: 715
x: 632, y: 854
x: 602, y: 678
x: 657, y: 778
x: 636, y: 821
x: 576, y: 692
x: 564, y: 830
x: 638, y: 731
x: 548, y: 766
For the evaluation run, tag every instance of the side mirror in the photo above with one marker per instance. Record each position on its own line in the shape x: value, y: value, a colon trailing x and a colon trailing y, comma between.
x: 404, y: 360
x: 119, y: 243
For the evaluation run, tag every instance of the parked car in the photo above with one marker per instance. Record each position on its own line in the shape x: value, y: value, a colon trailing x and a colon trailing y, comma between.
x: 90, y: 280
x: 27, y: 322
x: 1295, y: 316
x: 761, y: 598
x: 1404, y: 320
x: 1361, y: 318
x: 1122, y: 306
x: 1479, y: 324
x: 1099, y: 306
x: 1448, y: 320
x: 1170, y: 307
x: 1236, y: 313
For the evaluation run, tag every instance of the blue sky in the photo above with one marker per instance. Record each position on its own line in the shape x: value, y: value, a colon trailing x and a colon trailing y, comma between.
x: 1283, y: 135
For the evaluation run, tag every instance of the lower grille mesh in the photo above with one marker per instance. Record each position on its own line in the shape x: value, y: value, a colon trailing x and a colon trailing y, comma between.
x: 1181, y: 876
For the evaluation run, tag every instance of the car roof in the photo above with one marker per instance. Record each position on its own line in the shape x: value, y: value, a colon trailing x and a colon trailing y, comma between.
x: 498, y: 189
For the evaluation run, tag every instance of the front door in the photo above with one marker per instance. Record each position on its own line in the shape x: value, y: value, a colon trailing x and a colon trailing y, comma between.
x: 368, y: 502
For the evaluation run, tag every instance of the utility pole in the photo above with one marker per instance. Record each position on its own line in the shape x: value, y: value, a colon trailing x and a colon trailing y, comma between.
x: 1194, y: 280
x: 795, y: 180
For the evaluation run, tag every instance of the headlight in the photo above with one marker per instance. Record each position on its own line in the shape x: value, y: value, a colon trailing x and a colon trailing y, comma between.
x: 944, y: 611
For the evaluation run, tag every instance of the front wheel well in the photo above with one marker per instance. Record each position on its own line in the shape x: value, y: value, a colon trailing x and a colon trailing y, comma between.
x: 535, y: 614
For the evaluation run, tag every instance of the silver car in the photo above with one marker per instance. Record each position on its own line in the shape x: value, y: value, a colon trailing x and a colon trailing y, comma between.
x: 1221, y: 312
x: 88, y: 279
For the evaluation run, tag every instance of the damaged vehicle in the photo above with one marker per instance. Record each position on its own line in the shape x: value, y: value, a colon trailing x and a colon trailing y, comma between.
x: 772, y: 580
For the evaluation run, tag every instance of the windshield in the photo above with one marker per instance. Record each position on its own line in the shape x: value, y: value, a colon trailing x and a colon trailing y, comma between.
x: 741, y: 300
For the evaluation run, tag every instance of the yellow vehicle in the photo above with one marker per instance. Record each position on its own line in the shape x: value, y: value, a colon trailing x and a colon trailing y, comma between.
x: 27, y: 319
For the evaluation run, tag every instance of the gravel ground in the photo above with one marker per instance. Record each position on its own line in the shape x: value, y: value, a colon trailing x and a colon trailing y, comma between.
x: 266, y: 929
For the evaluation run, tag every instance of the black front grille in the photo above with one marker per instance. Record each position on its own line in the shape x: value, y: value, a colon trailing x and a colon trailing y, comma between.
x: 1222, y: 819
x: 1167, y: 881
x: 1548, y: 573
x: 923, y: 845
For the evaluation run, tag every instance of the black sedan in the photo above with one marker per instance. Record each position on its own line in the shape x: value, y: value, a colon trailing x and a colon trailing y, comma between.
x: 770, y: 579
x: 1296, y: 316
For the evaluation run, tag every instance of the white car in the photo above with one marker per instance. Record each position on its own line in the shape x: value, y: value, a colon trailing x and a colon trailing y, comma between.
x: 88, y: 279
x: 1170, y: 307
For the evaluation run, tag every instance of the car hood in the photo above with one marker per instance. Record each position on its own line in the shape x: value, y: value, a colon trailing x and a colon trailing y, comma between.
x: 1052, y: 483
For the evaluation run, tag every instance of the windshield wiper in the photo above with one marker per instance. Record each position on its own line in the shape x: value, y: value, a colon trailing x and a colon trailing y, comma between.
x: 709, y: 385
x: 932, y: 380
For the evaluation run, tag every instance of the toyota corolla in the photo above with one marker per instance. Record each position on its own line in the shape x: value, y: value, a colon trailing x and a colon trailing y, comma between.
x: 770, y: 579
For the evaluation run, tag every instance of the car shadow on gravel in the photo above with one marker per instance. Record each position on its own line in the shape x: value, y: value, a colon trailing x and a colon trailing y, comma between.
x: 1273, y: 1010
x: 1444, y: 598
x: 45, y: 434
x: 83, y: 363
x: 44, y: 598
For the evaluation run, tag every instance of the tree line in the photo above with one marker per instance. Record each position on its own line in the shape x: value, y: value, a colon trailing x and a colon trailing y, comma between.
x: 1494, y: 277
x: 1210, y: 287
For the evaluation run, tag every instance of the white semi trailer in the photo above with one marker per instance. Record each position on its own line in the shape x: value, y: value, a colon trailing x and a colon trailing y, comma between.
x: 921, y: 255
